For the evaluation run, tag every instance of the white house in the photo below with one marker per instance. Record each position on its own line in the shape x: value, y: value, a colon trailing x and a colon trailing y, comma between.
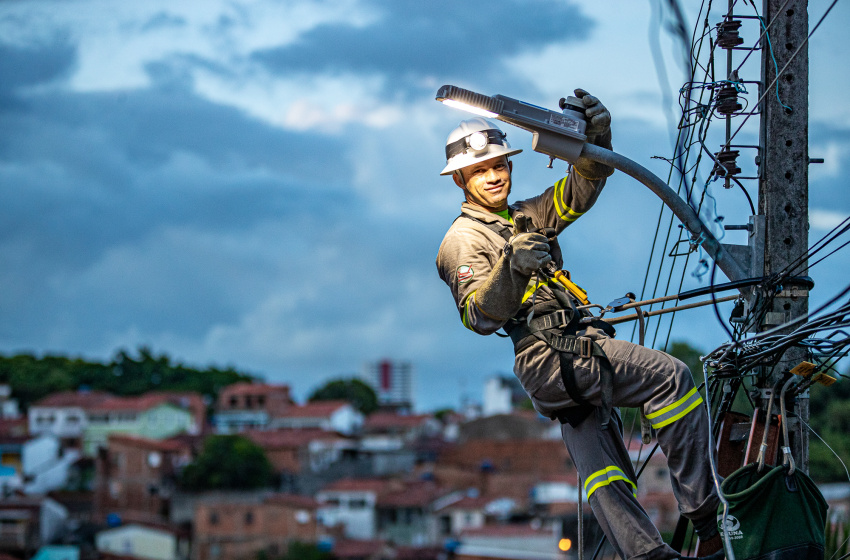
x: 65, y: 414
x: 331, y: 416
x: 34, y: 465
x: 8, y: 405
x: 141, y: 541
x: 351, y: 503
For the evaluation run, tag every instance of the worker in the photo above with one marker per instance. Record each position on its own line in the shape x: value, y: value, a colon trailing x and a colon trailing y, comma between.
x: 499, y: 261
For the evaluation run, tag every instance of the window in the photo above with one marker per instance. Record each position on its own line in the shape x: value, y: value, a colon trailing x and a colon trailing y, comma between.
x: 72, y: 419
x: 249, y: 401
x: 261, y: 400
x: 213, y: 518
x: 332, y: 502
x: 357, y: 503
x: 233, y: 402
x: 249, y: 518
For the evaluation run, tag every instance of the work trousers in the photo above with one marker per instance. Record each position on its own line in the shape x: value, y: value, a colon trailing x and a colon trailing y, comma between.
x: 663, y: 385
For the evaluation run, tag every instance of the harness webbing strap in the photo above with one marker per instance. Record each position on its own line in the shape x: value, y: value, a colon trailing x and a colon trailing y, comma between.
x: 505, y: 231
x: 561, y: 317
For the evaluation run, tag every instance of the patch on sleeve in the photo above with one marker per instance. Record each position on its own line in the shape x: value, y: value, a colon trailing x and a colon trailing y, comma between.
x: 464, y: 273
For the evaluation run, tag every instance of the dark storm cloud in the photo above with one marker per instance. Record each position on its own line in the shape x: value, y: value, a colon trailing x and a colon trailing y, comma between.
x: 443, y: 38
x: 32, y: 65
x: 115, y: 208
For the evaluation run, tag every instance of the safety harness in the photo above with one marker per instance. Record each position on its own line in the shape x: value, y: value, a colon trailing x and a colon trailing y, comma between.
x: 557, y: 323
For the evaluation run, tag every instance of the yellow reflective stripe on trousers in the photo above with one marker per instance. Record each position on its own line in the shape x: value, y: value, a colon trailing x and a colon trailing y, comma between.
x: 565, y: 212
x: 673, y: 412
x: 605, y: 477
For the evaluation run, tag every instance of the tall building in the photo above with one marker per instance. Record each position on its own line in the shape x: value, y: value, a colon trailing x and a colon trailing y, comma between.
x: 392, y: 382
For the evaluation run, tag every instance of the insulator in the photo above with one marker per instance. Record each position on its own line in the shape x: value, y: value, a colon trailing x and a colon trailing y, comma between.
x: 727, y: 33
x: 726, y: 101
x: 726, y: 164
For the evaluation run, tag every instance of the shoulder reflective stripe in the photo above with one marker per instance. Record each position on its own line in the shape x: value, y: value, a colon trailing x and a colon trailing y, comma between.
x: 465, y: 317
x: 675, y: 411
x: 565, y: 212
x: 605, y: 477
x: 533, y: 288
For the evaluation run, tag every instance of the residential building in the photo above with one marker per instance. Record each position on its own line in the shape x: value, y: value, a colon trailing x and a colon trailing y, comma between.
x: 136, y: 478
x: 34, y: 465
x: 405, y: 512
x: 461, y: 512
x: 148, y: 542
x: 390, y: 430
x: 503, y: 542
x: 295, y: 452
x: 392, y: 382
x: 351, y: 504
x: 501, y: 395
x: 8, y: 406
x: 837, y: 495
x: 152, y: 415
x: 64, y: 415
x: 243, y: 406
x: 28, y: 522
x: 333, y: 416
x: 240, y: 526
x: 57, y: 552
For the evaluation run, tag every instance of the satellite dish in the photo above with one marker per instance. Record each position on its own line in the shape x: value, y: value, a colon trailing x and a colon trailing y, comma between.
x: 154, y: 459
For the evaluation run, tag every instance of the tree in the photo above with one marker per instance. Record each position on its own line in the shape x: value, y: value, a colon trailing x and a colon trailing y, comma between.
x: 33, y: 378
x: 359, y: 394
x: 228, y: 462
x: 297, y: 551
x: 690, y: 355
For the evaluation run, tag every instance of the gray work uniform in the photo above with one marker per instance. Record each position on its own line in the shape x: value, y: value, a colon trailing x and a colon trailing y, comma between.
x: 641, y: 378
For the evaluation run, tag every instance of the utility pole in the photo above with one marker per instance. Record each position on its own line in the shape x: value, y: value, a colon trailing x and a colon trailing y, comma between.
x: 784, y: 178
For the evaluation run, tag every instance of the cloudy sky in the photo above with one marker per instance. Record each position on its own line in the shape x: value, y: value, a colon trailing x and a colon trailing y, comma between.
x: 255, y: 183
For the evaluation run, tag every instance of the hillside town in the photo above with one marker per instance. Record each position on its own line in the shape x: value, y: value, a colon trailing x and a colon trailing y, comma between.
x: 90, y: 475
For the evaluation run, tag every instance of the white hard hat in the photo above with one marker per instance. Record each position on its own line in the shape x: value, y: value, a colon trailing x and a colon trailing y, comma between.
x: 474, y: 140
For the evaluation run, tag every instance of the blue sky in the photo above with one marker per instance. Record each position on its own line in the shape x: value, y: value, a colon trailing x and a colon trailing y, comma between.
x: 256, y: 183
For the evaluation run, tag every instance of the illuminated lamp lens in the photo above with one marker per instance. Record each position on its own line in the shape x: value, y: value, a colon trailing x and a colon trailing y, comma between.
x: 477, y: 141
x: 565, y: 544
x: 471, y: 108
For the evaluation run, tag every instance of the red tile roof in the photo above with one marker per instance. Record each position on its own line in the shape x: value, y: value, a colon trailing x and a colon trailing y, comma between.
x: 356, y: 549
x: 468, y: 503
x: 415, y: 494
x: 286, y: 438
x: 386, y: 420
x: 292, y: 501
x: 66, y: 399
x: 166, y: 445
x: 376, y: 485
x: 246, y: 388
x: 147, y: 401
x: 316, y: 409
x: 505, y: 531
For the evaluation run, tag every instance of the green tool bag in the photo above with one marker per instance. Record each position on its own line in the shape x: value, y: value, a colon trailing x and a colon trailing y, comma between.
x: 773, y: 515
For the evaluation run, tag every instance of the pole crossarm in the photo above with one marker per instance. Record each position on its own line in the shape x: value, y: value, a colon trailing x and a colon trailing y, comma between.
x: 725, y: 261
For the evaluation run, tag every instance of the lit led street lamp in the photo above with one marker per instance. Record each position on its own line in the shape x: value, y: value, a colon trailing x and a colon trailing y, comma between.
x: 561, y: 136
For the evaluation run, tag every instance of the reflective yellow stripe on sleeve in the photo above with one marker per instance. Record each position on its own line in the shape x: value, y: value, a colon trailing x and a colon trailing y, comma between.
x: 605, y: 477
x: 675, y: 411
x: 533, y: 288
x: 565, y: 212
x: 465, y: 316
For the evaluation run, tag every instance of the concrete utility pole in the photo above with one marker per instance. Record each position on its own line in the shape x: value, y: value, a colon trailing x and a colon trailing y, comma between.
x: 784, y: 177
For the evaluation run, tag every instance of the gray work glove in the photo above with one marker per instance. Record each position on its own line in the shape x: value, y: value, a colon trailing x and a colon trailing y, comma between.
x: 598, y: 132
x: 500, y: 297
x: 528, y: 252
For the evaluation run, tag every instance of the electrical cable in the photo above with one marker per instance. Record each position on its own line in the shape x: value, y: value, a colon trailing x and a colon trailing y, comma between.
x: 779, y: 74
